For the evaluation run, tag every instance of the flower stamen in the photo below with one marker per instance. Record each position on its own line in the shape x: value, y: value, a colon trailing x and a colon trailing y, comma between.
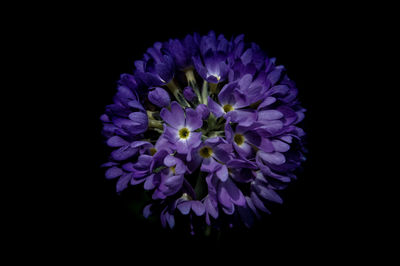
x: 184, y: 133
x: 239, y: 139
x: 206, y: 152
x: 227, y: 108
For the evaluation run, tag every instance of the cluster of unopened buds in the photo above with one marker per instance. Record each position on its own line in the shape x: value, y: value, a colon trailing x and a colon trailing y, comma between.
x: 208, y: 127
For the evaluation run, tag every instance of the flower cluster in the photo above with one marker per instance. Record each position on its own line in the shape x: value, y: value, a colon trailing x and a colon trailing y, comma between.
x: 208, y: 127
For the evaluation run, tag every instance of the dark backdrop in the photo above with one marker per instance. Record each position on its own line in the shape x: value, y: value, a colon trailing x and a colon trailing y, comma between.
x: 319, y: 213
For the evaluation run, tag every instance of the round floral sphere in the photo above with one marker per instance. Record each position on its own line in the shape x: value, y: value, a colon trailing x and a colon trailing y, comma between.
x: 207, y: 126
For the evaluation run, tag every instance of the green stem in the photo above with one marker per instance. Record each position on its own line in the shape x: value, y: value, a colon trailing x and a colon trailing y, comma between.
x: 213, y: 88
x: 155, y: 124
x: 192, y: 82
x: 177, y: 94
x: 204, y: 92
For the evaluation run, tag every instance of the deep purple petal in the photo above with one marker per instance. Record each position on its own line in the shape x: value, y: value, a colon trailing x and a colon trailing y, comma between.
x: 171, y: 134
x: 113, y: 172
x: 222, y: 173
x: 244, y: 118
x: 193, y: 119
x: 223, y: 152
x: 225, y: 96
x: 269, y: 194
x: 215, y: 108
x: 272, y: 157
x: 174, y: 181
x: 269, y: 115
x: 234, y: 192
x: 266, y: 145
x: 189, y: 93
x: 209, y: 165
x: 140, y: 122
x: 123, y: 182
x: 238, y: 163
x: 198, y: 207
x: 194, y: 140
x: 170, y: 160
x: 149, y: 184
x: 210, y: 208
x: 147, y: 211
x: 244, y: 150
x: 123, y: 153
x: 203, y: 110
x: 175, y: 117
x: 223, y: 196
x: 159, y: 97
x: 258, y: 203
x: 245, y: 81
x: 116, y: 141
x: 266, y: 102
x: 280, y: 146
x: 228, y: 131
x: 182, y: 146
x: 184, y: 207
x: 270, y: 128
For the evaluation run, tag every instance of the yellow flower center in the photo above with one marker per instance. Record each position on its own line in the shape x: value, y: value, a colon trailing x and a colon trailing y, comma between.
x: 205, y: 152
x: 227, y: 108
x: 152, y: 151
x: 239, y: 139
x: 172, y: 169
x: 184, y: 133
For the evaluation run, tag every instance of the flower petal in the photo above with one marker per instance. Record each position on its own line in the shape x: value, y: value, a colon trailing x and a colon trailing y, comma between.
x: 202, y: 109
x: 123, y: 182
x: 268, y: 115
x: 159, y: 97
x: 198, y: 207
x: 215, y: 108
x: 269, y: 194
x: 193, y: 119
x: 234, y: 192
x: 171, y: 134
x: 209, y: 165
x: 258, y: 203
x: 149, y: 184
x: 169, y: 160
x: 195, y: 140
x: 113, y: 172
x: 222, y: 173
x: 175, y: 118
x: 147, y: 211
x: 184, y: 207
x: 272, y: 157
x: 116, y: 141
x: 123, y: 153
x: 280, y: 146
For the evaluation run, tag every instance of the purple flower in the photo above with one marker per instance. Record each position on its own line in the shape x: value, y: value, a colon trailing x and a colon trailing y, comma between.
x: 180, y: 127
x: 157, y: 68
x: 212, y: 64
x: 209, y: 128
x: 233, y: 104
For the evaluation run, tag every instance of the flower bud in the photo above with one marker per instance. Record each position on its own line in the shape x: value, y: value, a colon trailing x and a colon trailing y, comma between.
x: 159, y: 97
x: 189, y: 93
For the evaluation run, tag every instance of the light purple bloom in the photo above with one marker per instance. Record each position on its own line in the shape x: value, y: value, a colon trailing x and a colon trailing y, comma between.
x: 209, y: 127
x: 181, y: 126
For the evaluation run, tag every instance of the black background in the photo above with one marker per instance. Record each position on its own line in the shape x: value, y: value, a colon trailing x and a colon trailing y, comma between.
x: 321, y: 211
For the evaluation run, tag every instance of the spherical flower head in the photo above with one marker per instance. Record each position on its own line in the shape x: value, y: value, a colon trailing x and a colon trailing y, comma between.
x: 209, y: 128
